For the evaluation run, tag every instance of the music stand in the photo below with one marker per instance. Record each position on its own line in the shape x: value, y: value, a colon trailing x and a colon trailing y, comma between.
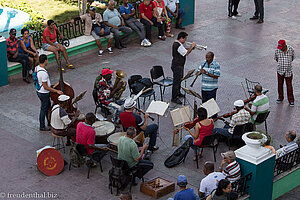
x: 191, y: 92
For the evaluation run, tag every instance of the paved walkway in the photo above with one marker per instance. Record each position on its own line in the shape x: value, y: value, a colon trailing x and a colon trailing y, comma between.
x: 243, y: 48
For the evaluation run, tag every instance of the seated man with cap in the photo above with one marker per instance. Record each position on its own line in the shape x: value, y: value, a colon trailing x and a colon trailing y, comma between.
x: 230, y: 167
x: 130, y: 119
x: 60, y: 121
x: 184, y: 193
x: 241, y: 117
x: 106, y: 92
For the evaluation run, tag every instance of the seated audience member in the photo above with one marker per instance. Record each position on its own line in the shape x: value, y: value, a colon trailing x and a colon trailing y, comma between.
x: 50, y: 43
x: 210, y: 182
x: 203, y: 128
x: 174, y: 11
x: 113, y: 19
x: 184, y: 193
x: 85, y: 134
x: 126, y: 196
x: 230, y: 167
x: 130, y: 119
x: 290, y: 137
x: 241, y: 117
x: 106, y: 92
x: 127, y: 11
x: 146, y: 17
x: 222, y: 192
x: 160, y: 12
x: 28, y: 48
x: 13, y: 54
x: 94, y: 26
x: 60, y: 121
x: 128, y: 151
x: 259, y: 105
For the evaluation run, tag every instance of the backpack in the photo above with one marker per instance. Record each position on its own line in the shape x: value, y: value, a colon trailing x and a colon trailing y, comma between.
x: 179, y: 155
x: 140, y: 84
x: 119, y: 175
x: 76, y: 159
x: 36, y: 81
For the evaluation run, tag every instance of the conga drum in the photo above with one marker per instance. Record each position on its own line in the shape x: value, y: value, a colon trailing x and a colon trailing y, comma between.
x: 103, y: 130
x: 113, y: 140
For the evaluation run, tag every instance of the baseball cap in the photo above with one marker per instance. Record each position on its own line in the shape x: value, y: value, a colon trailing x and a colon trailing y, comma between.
x: 129, y: 103
x: 239, y: 103
x: 281, y: 44
x: 93, y: 9
x: 229, y: 154
x: 106, y: 71
x: 181, y: 180
x: 13, y: 31
x: 63, y: 97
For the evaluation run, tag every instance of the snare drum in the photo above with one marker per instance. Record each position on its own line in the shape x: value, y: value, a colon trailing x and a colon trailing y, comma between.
x: 114, y: 139
x: 103, y: 130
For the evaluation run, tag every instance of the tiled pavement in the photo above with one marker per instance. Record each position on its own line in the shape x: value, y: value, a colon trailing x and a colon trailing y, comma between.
x: 243, y: 48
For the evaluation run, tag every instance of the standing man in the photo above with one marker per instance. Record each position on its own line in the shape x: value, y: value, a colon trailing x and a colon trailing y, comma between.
x: 173, y: 10
x: 210, y: 70
x: 233, y: 13
x: 284, y: 56
x: 113, y: 19
x: 179, y: 53
x: 44, y: 92
x: 127, y: 11
x: 259, y: 11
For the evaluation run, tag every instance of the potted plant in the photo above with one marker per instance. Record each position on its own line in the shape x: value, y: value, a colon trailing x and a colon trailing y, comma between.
x: 254, y: 139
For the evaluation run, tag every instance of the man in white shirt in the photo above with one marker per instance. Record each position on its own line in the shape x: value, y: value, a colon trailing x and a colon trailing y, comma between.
x: 210, y: 182
x: 44, y: 91
x: 173, y: 10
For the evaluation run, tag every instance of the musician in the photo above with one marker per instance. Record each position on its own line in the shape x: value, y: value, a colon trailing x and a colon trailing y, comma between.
x: 106, y: 92
x: 179, y: 53
x: 130, y: 119
x: 44, y: 92
x: 210, y: 70
x: 203, y: 128
x: 128, y: 151
x: 260, y: 103
x: 60, y: 120
x: 241, y: 117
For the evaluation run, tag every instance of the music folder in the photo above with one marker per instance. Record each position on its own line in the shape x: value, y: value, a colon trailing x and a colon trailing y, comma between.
x: 211, y: 106
x: 157, y: 107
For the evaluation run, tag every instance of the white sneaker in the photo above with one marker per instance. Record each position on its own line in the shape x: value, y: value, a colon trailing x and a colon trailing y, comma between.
x: 100, y: 52
x: 109, y: 50
x: 30, y: 72
x: 147, y: 43
x: 238, y: 15
x: 143, y: 42
x: 233, y: 17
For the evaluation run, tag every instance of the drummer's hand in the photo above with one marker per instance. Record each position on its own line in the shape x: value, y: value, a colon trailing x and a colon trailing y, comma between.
x: 146, y: 115
x: 59, y: 92
x: 105, y: 148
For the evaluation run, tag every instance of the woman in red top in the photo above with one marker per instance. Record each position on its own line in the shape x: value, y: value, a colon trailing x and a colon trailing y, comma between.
x: 50, y: 43
x: 160, y: 12
x: 203, y: 128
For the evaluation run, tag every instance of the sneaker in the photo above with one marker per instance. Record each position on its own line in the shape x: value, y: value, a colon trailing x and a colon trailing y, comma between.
x: 30, y: 72
x: 109, y: 50
x: 292, y: 104
x: 253, y: 18
x: 238, y: 15
x: 233, y: 17
x: 147, y: 43
x: 100, y: 52
x: 143, y: 43
x: 278, y: 101
x: 260, y: 21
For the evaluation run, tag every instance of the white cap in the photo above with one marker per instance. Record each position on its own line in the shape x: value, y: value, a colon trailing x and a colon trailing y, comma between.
x: 63, y: 97
x: 239, y: 103
x: 129, y: 103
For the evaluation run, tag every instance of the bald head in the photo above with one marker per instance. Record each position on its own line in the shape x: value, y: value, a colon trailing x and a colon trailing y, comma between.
x: 208, y: 167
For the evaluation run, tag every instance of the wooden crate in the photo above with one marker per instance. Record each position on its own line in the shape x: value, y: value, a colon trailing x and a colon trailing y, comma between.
x: 166, y: 187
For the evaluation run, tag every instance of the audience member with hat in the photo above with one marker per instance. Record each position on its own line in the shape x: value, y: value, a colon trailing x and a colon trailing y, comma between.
x: 284, y: 56
x: 184, y: 193
x: 230, y: 167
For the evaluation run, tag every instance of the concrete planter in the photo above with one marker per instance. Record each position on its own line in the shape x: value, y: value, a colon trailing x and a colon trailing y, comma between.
x: 254, y: 143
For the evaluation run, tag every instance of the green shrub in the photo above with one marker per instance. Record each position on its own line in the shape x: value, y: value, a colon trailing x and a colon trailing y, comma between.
x: 36, y: 18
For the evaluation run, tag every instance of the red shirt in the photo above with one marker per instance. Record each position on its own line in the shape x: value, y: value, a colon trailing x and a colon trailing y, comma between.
x: 130, y: 119
x: 49, y: 34
x: 12, y: 45
x: 85, y: 134
x: 204, y: 131
x: 147, y: 10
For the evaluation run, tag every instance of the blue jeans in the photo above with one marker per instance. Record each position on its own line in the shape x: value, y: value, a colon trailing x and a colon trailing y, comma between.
x: 180, y: 14
x: 45, y: 105
x: 151, y: 131
x: 24, y: 60
x: 207, y: 95
x: 223, y: 131
x: 194, y: 147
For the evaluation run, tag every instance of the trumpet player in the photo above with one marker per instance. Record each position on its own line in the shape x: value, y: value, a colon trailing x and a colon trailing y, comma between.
x: 179, y: 53
x: 210, y: 70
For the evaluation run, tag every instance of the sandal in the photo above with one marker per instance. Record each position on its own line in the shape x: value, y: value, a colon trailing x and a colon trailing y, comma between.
x: 62, y: 69
x: 70, y: 66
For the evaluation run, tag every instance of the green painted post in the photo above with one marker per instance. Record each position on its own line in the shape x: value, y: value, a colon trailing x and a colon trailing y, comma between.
x: 189, y: 11
x: 3, y: 62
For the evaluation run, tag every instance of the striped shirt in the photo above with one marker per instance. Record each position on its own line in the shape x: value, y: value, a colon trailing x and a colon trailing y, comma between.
x: 287, y: 149
x: 232, y: 172
x: 12, y: 45
x: 242, y: 117
x: 259, y: 105
x: 284, y: 61
x: 209, y: 83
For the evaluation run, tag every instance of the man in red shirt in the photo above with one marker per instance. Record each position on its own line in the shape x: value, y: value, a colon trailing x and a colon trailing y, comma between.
x: 13, y: 54
x: 147, y: 18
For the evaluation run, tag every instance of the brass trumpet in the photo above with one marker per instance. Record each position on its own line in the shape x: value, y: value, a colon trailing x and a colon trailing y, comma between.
x: 198, y: 46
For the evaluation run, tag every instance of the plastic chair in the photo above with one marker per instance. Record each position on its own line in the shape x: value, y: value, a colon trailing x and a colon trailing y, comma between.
x: 261, y: 118
x: 209, y: 141
x: 250, y: 87
x: 158, y: 72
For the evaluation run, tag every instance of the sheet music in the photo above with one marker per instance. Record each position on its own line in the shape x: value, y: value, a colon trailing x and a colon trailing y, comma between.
x: 211, y: 107
x: 181, y: 115
x: 157, y: 107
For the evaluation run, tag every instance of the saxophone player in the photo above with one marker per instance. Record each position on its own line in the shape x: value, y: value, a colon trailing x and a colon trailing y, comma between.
x: 106, y: 92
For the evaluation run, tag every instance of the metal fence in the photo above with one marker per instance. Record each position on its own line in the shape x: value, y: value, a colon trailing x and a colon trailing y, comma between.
x: 287, y: 162
x: 242, y: 185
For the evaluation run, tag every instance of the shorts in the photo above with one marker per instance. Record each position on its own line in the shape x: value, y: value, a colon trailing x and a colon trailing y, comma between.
x: 46, y: 46
x: 97, y: 37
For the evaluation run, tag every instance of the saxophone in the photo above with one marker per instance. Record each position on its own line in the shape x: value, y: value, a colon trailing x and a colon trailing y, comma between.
x: 119, y: 76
